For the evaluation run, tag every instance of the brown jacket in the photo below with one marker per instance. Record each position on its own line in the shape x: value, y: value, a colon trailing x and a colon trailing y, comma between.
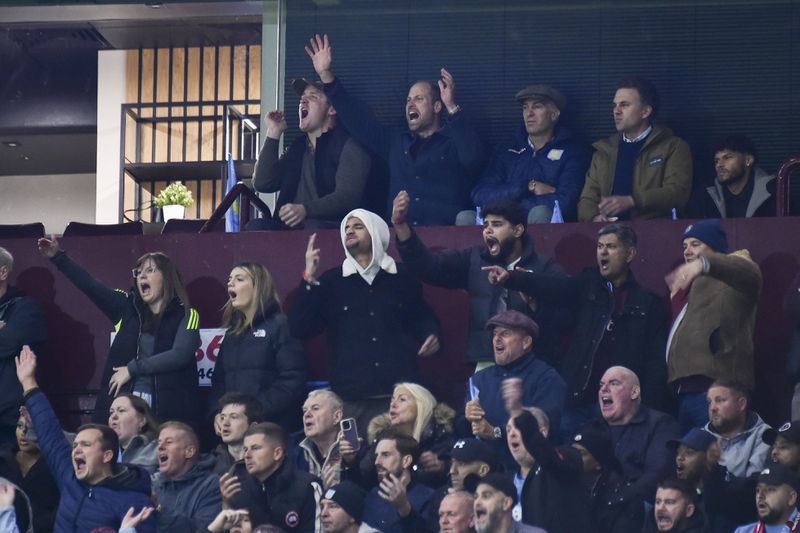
x: 662, y: 176
x: 715, y: 336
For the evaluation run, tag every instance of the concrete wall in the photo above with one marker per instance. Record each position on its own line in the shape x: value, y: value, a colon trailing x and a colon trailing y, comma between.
x: 54, y: 200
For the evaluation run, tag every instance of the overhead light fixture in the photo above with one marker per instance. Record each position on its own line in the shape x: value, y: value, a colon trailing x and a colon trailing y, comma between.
x: 154, y: 5
x: 12, y: 144
x: 26, y: 157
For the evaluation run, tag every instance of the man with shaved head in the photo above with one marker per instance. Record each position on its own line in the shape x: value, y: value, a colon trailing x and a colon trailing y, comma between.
x: 637, y: 432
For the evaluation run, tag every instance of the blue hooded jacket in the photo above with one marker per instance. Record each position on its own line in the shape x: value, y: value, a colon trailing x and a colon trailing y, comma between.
x: 84, y: 507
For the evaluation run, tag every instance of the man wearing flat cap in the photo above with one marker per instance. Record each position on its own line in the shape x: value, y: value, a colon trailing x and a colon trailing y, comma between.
x: 518, y: 376
x: 495, y: 498
x: 543, y: 165
x: 321, y: 176
x: 342, y: 507
x: 714, y: 296
x: 776, y: 501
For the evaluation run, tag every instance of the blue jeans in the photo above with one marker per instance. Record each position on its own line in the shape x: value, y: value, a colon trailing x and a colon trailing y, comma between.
x: 692, y: 411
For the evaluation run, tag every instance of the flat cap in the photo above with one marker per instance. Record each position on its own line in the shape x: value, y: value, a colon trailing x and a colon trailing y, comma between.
x: 514, y: 320
x: 542, y: 92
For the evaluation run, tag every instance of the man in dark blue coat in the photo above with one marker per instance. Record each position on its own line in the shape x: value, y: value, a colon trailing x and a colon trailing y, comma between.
x: 21, y: 322
x: 545, y: 163
x: 436, y: 161
x: 95, y: 491
x: 490, y: 390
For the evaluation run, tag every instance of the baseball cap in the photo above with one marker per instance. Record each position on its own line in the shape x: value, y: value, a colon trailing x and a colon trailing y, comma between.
x: 299, y: 85
x: 696, y: 439
x: 789, y: 431
x: 469, y: 450
x: 493, y: 479
x: 778, y: 474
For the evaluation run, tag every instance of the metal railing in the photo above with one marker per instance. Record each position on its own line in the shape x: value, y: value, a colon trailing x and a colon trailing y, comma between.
x: 247, y: 196
x: 789, y: 165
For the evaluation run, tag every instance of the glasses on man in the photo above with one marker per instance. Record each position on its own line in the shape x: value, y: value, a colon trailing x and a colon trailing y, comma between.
x: 139, y: 271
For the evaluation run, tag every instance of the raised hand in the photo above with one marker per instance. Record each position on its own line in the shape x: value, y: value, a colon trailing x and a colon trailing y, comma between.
x: 275, y: 121
x: 497, y: 274
x: 683, y: 276
x: 26, y: 368
x: 227, y: 519
x: 511, y: 391
x: 229, y: 485
x: 48, y: 247
x: 393, y: 490
x: 321, y: 54
x: 312, y: 260
x: 430, y: 462
x: 400, y: 211
x: 473, y: 410
x: 429, y: 347
x: 133, y: 519
x: 447, y: 88
x: 346, y: 450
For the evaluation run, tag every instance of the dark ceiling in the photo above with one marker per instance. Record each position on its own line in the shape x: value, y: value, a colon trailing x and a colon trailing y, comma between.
x: 48, y: 51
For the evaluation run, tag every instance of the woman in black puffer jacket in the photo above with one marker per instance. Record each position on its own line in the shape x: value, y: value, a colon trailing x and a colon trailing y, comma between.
x: 258, y: 356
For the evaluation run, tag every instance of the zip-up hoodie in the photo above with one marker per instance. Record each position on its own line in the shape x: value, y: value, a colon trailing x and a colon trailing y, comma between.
x: 744, y: 454
x: 189, y: 502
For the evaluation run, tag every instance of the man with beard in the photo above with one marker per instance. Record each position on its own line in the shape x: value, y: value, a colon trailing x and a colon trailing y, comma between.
x: 637, y: 432
x: 741, y: 189
x: 785, y: 442
x: 495, y: 498
x: 776, y: 501
x: 373, y: 312
x: 618, y: 322
x: 505, y: 244
x: 675, y: 510
x: 321, y: 176
x: 738, y: 429
x: 437, y: 161
x: 518, y: 379
x: 397, y: 504
x: 545, y: 164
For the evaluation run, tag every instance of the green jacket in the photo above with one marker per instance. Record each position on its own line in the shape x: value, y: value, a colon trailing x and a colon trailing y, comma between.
x: 662, y: 176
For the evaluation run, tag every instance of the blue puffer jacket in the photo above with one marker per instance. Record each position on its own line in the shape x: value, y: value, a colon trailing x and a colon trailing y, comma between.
x: 438, y: 172
x: 84, y: 507
x: 561, y: 163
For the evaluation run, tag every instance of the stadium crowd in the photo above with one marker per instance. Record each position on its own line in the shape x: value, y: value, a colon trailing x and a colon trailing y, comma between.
x: 594, y: 405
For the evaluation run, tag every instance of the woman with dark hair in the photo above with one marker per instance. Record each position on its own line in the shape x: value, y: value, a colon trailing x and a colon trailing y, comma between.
x: 27, y: 469
x: 258, y: 356
x: 153, y: 352
x: 137, y: 428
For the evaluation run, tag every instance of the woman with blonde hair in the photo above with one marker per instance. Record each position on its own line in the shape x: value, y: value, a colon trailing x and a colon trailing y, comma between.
x: 258, y: 355
x: 414, y: 411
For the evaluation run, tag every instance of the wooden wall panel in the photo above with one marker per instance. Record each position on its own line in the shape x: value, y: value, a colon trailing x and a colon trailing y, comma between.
x: 175, y: 76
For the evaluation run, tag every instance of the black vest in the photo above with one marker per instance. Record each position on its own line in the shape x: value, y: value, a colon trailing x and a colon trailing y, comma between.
x: 326, y: 163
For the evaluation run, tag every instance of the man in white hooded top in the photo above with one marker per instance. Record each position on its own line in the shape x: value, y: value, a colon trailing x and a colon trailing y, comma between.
x: 373, y: 312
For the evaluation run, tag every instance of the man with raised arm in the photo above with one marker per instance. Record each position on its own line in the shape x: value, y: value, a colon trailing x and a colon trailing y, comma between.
x: 436, y: 160
x: 322, y: 174
x: 373, y: 312
x: 95, y: 490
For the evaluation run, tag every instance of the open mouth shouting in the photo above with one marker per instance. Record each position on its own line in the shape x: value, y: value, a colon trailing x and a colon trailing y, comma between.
x: 493, y: 245
x: 163, y: 460
x: 144, y: 289
x: 79, y: 464
x: 481, y: 515
x: 664, y: 521
x: 606, y: 402
x: 604, y: 263
x: 412, y: 114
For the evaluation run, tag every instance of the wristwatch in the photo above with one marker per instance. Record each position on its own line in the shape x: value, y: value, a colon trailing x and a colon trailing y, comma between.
x: 497, y: 433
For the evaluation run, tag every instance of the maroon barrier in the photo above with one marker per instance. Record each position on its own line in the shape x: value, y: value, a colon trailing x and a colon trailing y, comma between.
x: 79, y: 333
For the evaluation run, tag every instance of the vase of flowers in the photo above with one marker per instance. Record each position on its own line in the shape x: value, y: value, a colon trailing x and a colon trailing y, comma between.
x: 173, y: 200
